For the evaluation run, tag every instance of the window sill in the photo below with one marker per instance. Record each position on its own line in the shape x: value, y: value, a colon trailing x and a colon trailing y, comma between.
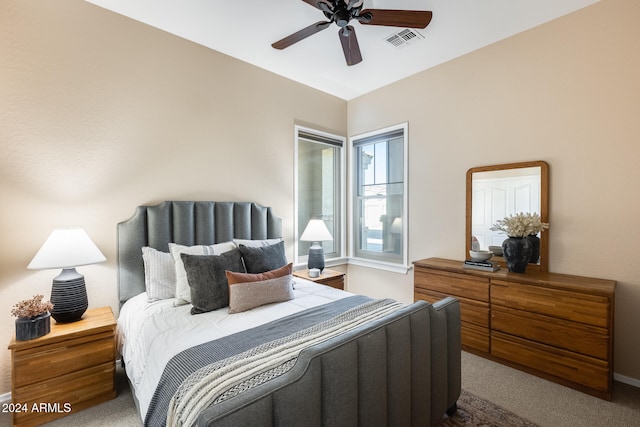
x: 329, y: 262
x: 380, y: 265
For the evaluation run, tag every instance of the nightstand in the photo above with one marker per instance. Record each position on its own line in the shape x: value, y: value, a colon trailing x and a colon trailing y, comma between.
x: 69, y: 369
x: 332, y: 278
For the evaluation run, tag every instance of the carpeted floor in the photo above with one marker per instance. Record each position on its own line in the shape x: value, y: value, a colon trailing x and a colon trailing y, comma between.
x: 476, y: 412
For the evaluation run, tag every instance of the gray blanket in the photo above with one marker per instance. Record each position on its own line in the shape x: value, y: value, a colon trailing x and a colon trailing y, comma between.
x: 190, y: 360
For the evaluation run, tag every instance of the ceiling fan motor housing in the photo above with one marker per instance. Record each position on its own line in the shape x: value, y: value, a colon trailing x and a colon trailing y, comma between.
x: 343, y: 11
x: 342, y: 17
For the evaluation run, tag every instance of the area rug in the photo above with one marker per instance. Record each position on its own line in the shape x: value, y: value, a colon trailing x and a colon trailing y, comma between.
x: 476, y: 412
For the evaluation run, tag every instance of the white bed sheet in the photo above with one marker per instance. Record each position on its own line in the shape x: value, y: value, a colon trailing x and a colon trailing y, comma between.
x: 150, y: 334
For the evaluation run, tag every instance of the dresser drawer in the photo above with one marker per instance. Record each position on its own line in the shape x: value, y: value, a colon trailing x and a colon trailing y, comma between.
x: 578, y: 337
x: 556, y: 326
x: 53, y: 360
x: 564, y: 365
x: 458, y: 285
x: 474, y: 337
x: 579, y: 307
x: 471, y: 311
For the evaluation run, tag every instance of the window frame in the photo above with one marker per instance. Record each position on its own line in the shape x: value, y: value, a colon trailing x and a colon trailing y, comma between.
x: 338, y: 256
x: 377, y: 261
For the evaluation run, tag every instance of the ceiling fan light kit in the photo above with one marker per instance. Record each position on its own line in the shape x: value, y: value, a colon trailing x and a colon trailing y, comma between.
x: 341, y: 12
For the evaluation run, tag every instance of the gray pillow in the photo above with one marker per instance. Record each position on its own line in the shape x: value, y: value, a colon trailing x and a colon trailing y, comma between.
x: 263, y: 258
x: 207, y: 279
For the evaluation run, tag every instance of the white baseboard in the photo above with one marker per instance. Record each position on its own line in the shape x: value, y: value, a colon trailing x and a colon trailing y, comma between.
x: 627, y: 380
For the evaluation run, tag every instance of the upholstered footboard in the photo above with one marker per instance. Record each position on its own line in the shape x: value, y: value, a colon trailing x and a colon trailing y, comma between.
x: 403, y: 370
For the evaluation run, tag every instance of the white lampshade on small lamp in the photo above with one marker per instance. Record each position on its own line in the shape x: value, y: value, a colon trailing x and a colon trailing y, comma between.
x: 396, y: 230
x: 67, y: 248
x: 316, y: 232
x: 396, y: 226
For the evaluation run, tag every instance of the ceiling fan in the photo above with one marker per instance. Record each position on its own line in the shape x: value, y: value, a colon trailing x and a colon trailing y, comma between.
x: 343, y: 11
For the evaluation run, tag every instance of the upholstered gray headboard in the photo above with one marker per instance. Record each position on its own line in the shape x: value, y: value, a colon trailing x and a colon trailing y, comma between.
x: 185, y: 223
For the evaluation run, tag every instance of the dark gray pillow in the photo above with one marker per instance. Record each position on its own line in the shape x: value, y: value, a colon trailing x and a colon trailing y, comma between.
x: 207, y: 279
x: 263, y: 258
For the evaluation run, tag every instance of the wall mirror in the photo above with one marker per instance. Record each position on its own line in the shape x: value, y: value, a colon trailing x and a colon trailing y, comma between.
x: 494, y: 192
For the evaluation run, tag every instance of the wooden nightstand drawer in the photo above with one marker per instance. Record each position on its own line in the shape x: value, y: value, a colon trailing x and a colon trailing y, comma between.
x: 68, y: 393
x: 336, y: 282
x: 41, y: 363
x: 332, y: 278
x: 69, y: 369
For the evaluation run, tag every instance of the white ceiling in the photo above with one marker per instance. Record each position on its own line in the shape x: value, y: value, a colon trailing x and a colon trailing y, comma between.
x: 245, y: 29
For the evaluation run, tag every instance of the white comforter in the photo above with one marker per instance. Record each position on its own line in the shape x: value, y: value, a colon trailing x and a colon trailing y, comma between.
x: 150, y: 334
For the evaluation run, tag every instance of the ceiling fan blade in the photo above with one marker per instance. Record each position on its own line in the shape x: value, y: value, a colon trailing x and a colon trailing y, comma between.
x: 300, y: 35
x: 352, y: 3
x: 313, y: 3
x: 396, y: 18
x: 325, y: 7
x: 350, y: 45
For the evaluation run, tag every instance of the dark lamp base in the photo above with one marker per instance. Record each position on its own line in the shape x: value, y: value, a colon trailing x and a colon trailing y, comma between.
x: 68, y: 296
x: 316, y: 257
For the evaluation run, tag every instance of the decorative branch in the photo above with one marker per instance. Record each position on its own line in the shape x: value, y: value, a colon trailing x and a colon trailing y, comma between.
x: 31, y: 307
x: 520, y: 225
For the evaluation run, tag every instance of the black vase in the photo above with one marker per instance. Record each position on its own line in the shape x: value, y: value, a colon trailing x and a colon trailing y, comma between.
x: 517, y: 253
x: 33, y: 327
x: 535, y: 248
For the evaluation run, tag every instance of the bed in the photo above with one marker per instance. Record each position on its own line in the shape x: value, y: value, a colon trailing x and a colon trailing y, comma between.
x: 313, y: 356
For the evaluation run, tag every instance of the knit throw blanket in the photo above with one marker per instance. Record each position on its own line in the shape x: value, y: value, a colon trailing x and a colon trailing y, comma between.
x: 229, y: 377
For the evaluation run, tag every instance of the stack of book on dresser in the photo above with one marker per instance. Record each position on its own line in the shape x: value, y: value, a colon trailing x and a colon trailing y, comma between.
x: 481, y: 265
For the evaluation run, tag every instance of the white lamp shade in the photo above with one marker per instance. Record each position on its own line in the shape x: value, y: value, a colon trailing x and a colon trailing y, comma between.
x: 66, y: 248
x: 316, y: 231
x: 396, y: 226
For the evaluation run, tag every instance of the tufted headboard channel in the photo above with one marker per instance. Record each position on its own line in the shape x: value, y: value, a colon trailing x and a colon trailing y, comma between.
x: 185, y: 223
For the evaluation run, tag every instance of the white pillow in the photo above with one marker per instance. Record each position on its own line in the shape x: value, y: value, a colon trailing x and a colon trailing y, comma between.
x: 183, y: 291
x: 159, y: 274
x: 256, y: 243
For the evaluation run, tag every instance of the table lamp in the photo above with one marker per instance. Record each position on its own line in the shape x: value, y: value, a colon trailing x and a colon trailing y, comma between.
x: 67, y: 248
x: 316, y: 232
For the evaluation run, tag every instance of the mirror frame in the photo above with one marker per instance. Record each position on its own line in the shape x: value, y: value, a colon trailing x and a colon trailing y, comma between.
x: 544, y: 208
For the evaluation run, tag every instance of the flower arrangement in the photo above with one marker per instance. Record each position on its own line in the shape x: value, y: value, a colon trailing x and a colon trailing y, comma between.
x: 30, y: 308
x: 520, y: 225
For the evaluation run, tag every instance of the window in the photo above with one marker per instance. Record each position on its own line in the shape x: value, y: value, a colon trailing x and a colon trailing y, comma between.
x: 379, y: 203
x: 319, y: 181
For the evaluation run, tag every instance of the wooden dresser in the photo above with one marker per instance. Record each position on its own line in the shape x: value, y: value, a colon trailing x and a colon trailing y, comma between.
x: 69, y: 369
x: 556, y: 326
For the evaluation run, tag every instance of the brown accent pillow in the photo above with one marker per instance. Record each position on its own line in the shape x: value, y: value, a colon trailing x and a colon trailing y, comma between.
x: 247, y: 290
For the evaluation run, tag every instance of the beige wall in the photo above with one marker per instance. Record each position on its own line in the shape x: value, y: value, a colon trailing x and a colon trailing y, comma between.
x: 100, y: 114
x: 567, y: 92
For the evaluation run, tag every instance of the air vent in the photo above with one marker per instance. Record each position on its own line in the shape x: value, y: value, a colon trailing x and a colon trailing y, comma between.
x: 404, y: 37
